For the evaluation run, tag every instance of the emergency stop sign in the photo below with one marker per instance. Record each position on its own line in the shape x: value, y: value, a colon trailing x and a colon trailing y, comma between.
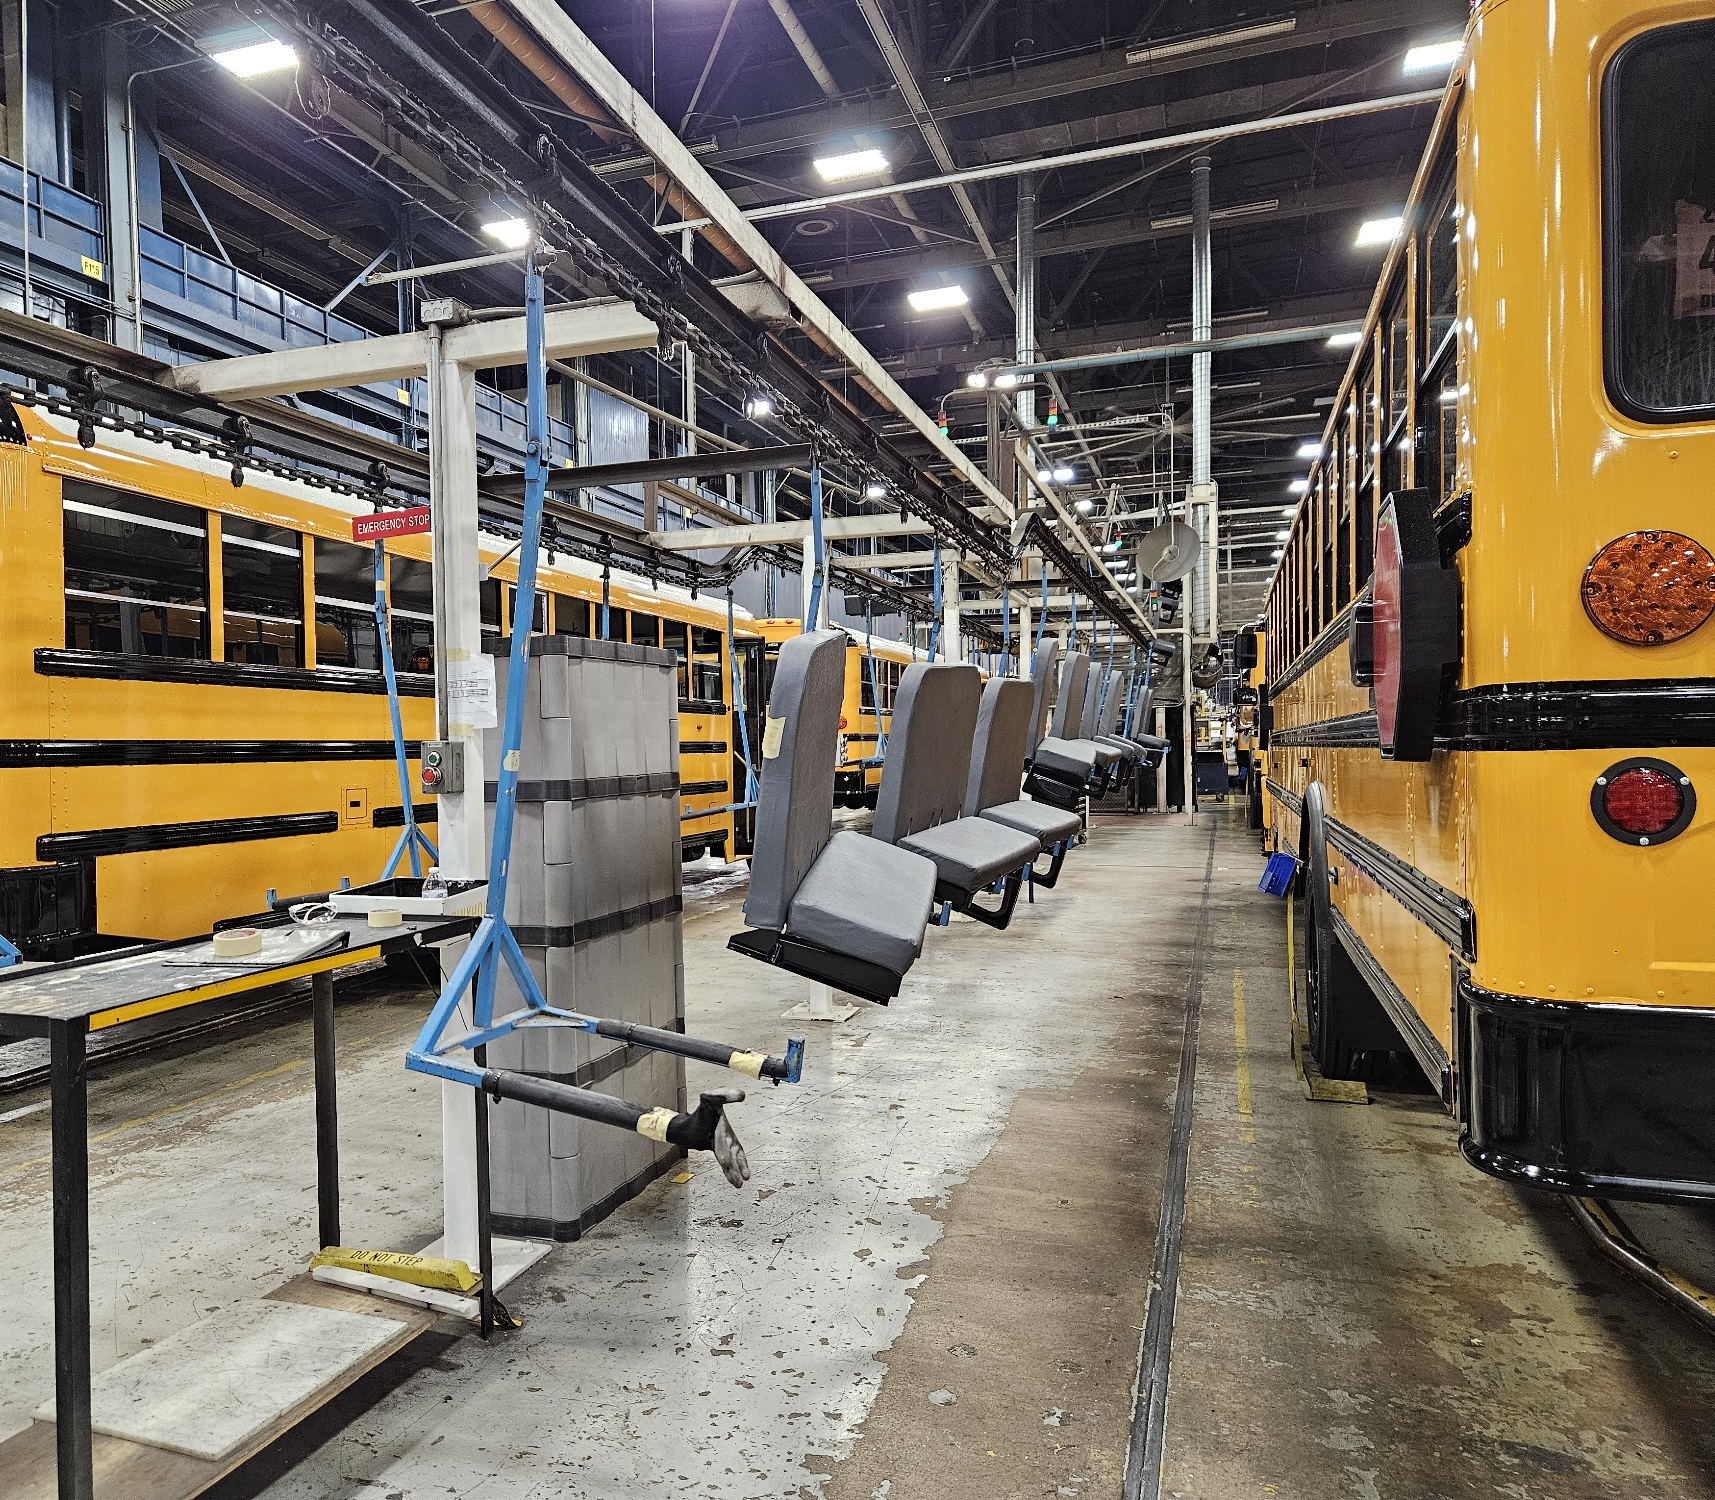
x: 386, y: 523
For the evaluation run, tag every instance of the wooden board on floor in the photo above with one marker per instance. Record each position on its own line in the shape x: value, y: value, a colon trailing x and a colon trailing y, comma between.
x: 135, y: 1471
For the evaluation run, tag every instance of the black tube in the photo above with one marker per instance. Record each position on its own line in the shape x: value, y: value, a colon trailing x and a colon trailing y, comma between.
x: 657, y: 1040
x: 484, y: 1215
x: 74, y: 1445
x: 565, y: 1098
x: 327, y: 1110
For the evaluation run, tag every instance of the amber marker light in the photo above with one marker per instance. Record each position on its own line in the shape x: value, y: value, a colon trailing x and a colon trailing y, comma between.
x: 1648, y: 588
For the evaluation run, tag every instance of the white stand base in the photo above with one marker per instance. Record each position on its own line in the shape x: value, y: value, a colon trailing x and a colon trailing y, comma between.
x: 821, y: 1006
x: 512, y: 1258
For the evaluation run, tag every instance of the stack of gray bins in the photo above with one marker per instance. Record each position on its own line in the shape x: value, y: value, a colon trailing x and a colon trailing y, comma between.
x: 594, y: 893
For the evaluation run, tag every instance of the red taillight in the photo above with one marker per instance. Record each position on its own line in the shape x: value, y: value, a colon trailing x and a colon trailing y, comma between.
x: 1643, y: 801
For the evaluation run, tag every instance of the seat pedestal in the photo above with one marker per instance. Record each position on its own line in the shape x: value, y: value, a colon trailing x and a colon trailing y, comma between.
x: 820, y: 1006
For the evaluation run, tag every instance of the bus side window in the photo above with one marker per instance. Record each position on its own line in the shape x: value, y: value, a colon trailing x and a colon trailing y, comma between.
x: 675, y: 637
x: 345, y: 606
x: 136, y: 574
x: 538, y: 615
x: 645, y: 629
x: 262, y: 571
x: 708, y: 679
x: 411, y: 603
x: 571, y: 615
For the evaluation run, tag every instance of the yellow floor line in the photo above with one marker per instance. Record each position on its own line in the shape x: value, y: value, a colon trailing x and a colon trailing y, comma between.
x: 1240, y: 1037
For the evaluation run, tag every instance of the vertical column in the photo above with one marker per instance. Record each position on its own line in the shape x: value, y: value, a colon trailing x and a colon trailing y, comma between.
x: 461, y: 836
x: 1025, y: 300
x: 74, y: 1447
x: 327, y: 1110
x: 952, y: 642
x: 1026, y: 639
x: 1200, y: 601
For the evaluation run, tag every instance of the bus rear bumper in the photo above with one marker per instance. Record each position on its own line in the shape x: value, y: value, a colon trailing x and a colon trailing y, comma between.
x: 1606, y: 1101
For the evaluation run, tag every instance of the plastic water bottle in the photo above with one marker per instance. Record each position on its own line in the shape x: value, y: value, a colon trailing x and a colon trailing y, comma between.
x: 434, y: 888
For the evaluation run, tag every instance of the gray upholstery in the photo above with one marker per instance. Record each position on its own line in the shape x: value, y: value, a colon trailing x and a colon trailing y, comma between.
x: 997, y: 749
x: 865, y: 898
x: 1113, y: 705
x: 1042, y: 685
x: 1075, y: 758
x: 1068, y: 718
x: 795, y: 808
x: 971, y: 853
x: 1089, y: 726
x: 928, y: 749
x: 1047, y: 824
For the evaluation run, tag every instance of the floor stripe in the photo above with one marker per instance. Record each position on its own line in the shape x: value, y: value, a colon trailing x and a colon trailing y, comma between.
x: 1149, y: 1396
x: 1242, y: 1040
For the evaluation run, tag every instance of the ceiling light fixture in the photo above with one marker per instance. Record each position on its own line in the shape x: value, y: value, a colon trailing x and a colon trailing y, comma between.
x: 875, y: 491
x: 1309, y: 450
x: 850, y: 164
x: 258, y: 58
x: 1064, y: 475
x: 1282, y: 535
x: 1289, y: 510
x: 1006, y: 380
x: 1378, y: 232
x: 977, y: 380
x: 1344, y: 341
x: 1085, y: 506
x: 1299, y: 486
x: 759, y: 404
x: 937, y: 298
x: 1278, y: 554
x: 512, y: 234
x: 1432, y: 57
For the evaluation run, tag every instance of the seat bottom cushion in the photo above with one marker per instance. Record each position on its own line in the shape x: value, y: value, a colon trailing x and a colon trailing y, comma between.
x: 1048, y: 824
x: 1079, y: 759
x: 971, y: 853
x: 865, y: 899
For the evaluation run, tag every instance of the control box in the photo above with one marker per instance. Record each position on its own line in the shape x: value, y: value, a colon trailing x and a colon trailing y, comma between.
x: 442, y: 766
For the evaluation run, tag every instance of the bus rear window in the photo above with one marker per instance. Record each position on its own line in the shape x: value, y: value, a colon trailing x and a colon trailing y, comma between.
x: 1659, y: 224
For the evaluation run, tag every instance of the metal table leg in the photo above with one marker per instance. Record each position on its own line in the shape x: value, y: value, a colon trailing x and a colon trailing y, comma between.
x: 70, y: 1106
x: 327, y: 1110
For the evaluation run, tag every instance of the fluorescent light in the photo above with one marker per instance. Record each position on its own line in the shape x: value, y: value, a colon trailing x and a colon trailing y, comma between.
x: 513, y: 234
x: 1432, y: 57
x: 1345, y: 341
x: 1378, y: 232
x: 1299, y: 486
x: 258, y: 58
x: 875, y: 492
x: 1282, y: 535
x: 977, y: 380
x: 850, y: 164
x: 1279, y: 553
x: 1064, y: 475
x: 937, y: 298
x: 1209, y: 42
x: 1112, y: 546
x: 1006, y: 380
x: 1289, y: 510
x: 1086, y: 506
x: 1309, y: 450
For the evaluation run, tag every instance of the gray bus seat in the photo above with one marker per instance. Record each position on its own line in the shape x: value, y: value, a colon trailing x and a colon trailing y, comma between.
x: 923, y: 791
x: 839, y: 908
x: 997, y: 765
x: 1042, y: 691
x: 1065, y: 767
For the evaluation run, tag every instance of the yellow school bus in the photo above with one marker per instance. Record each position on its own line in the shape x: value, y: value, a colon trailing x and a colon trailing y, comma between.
x: 191, y: 705
x: 1490, y: 675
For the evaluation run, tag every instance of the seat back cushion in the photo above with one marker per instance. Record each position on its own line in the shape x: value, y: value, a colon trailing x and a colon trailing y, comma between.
x: 1042, y: 686
x: 998, y: 747
x: 928, y: 749
x: 795, y: 807
x: 1143, y: 716
x: 1069, y: 703
x: 1113, y: 705
x: 1091, y: 723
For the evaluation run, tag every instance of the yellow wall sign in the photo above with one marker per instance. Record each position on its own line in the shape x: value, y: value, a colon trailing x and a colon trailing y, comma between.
x: 92, y: 268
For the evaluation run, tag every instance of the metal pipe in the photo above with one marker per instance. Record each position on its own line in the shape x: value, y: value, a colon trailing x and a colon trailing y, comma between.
x: 1202, y: 320
x: 357, y: 281
x: 806, y: 48
x: 1025, y: 324
x: 24, y: 148
x: 1177, y: 142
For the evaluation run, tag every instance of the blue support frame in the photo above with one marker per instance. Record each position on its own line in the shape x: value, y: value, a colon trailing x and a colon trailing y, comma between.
x: 411, y: 836
x: 935, y: 628
x: 8, y: 954
x: 818, y: 549
x: 874, y: 687
x: 493, y: 944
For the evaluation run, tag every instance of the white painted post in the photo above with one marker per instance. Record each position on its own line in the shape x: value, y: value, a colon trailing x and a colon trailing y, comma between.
x: 460, y: 833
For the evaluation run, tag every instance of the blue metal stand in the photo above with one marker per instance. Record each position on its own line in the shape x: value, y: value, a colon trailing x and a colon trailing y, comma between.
x: 818, y: 549
x: 459, y: 1057
x: 8, y: 954
x: 935, y: 628
x: 411, y: 837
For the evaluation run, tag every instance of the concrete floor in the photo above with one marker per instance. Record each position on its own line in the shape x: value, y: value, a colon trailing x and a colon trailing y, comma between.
x: 934, y: 1285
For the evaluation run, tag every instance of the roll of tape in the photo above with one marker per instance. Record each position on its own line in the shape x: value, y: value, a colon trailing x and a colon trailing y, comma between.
x: 237, y: 942
x: 387, y: 917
